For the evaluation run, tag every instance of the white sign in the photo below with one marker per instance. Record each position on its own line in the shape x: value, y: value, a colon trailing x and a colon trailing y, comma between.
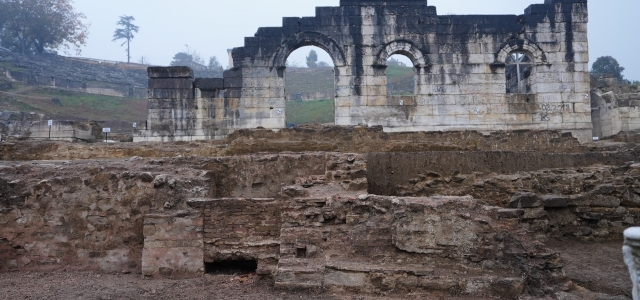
x: 135, y: 124
x: 50, y: 123
x: 106, y: 130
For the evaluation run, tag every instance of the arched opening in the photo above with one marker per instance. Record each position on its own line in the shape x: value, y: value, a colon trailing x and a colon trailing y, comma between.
x: 519, y: 68
x: 400, y: 76
x: 309, y: 87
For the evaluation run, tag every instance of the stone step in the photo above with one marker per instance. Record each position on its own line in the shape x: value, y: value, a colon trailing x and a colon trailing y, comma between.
x: 299, y: 273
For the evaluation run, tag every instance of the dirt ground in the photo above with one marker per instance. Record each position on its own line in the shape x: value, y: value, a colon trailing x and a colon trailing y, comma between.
x: 606, y: 278
x: 598, y: 267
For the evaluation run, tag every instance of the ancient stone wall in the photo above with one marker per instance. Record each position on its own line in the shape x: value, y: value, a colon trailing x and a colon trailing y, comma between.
x: 462, y: 65
x: 613, y: 113
x: 97, y: 214
x: 588, y: 197
x: 307, y: 219
x: 441, y: 245
x: 22, y: 125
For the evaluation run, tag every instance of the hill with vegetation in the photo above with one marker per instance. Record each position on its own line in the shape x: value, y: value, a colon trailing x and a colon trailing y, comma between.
x: 320, y: 82
x: 64, y: 105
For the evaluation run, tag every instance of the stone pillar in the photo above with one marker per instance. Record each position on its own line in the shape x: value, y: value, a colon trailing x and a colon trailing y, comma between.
x: 173, y: 109
x: 631, y: 250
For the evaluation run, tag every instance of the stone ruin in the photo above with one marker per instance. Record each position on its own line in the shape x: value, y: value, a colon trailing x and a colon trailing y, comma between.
x: 475, y: 72
x: 344, y: 209
x: 347, y: 208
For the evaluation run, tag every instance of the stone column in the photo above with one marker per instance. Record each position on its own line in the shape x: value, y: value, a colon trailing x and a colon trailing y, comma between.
x: 631, y: 250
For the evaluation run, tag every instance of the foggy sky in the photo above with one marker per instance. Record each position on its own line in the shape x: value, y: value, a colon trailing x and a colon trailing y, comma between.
x: 212, y: 27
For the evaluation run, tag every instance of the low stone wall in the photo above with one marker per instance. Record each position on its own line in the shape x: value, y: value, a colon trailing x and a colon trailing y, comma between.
x: 591, y: 196
x: 99, y: 214
x: 84, y: 215
x: 40, y: 130
x: 441, y: 245
x: 408, y: 173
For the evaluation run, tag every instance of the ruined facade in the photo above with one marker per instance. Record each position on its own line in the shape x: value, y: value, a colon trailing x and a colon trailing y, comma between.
x: 485, y: 73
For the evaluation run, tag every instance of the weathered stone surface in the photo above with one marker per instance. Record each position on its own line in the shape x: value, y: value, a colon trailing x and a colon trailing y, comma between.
x: 209, y: 84
x: 170, y: 72
x: 534, y: 213
x: 337, y: 239
x: 468, y: 83
x: 437, y: 230
x: 509, y: 288
x: 631, y: 199
x: 525, y: 200
x: 173, y: 245
x: 146, y: 177
x: 555, y: 201
x: 510, y: 213
x: 604, y: 201
x: 346, y: 279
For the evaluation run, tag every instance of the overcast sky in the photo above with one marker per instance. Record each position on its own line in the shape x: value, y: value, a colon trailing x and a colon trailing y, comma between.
x: 212, y: 27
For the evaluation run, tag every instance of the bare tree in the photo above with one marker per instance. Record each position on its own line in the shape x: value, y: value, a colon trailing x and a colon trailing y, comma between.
x: 144, y: 60
x: 126, y: 33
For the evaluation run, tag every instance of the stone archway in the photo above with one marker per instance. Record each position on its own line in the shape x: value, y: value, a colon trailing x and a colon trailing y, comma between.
x: 405, y: 48
x: 303, y: 39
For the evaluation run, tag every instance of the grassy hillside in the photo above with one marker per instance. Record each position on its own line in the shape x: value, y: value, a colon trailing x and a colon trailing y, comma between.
x: 305, y: 80
x: 66, y: 105
x: 400, y: 80
x: 308, y: 112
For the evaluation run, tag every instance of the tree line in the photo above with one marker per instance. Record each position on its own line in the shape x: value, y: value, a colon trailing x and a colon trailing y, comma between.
x: 37, y: 26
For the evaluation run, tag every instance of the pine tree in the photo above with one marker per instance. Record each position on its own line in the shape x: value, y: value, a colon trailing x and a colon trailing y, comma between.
x: 126, y: 33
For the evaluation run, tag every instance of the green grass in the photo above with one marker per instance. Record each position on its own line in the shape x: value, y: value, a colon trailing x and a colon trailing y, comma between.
x: 303, y: 80
x: 75, y: 105
x: 400, y: 80
x: 309, y: 112
x: 9, y: 66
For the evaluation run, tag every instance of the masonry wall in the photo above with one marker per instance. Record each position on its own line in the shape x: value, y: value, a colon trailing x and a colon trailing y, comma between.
x: 613, y: 113
x: 459, y: 64
x: 38, y: 129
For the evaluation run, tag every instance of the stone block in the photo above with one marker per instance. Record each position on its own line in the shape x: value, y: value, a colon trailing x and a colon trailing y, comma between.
x: 510, y: 213
x: 525, y: 200
x: 233, y: 83
x: 209, y: 84
x: 171, y: 94
x: 603, y: 201
x: 340, y: 278
x: 555, y: 201
x: 170, y: 72
x: 170, y: 83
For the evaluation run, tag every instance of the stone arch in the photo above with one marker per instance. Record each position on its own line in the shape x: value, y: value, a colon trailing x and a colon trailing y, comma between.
x: 405, y: 48
x: 302, y: 39
x: 524, y: 45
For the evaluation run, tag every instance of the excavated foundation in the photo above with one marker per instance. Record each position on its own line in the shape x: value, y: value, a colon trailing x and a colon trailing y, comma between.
x: 459, y: 214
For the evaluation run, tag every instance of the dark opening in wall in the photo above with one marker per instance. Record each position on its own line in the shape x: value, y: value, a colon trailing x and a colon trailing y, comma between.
x: 231, y: 267
x: 301, y: 252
